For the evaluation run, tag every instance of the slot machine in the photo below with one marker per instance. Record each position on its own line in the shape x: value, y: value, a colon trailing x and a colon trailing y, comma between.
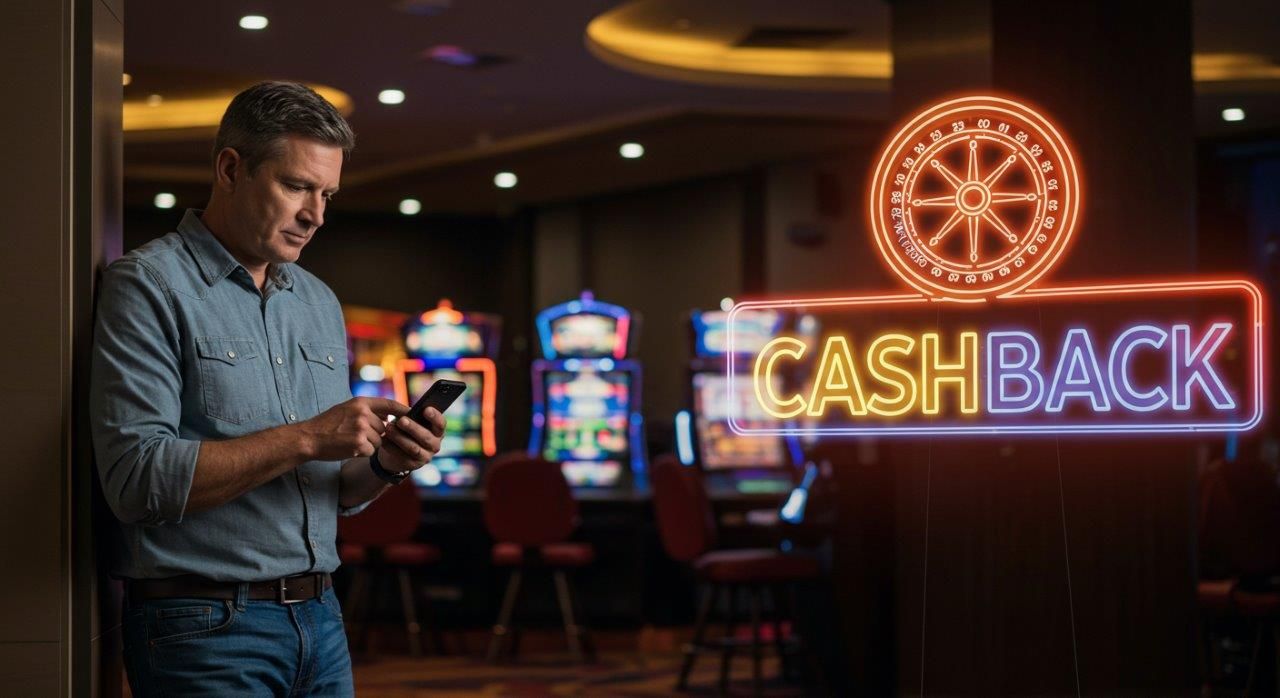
x: 586, y: 411
x: 374, y: 349
x: 445, y: 343
x: 759, y: 468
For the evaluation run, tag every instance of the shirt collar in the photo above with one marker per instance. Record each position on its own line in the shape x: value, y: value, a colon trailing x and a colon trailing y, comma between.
x: 214, y: 260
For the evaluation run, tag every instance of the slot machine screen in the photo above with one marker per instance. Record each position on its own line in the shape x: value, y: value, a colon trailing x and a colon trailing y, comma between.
x: 584, y: 335
x: 720, y: 448
x: 588, y: 418
x: 456, y: 465
x: 753, y: 330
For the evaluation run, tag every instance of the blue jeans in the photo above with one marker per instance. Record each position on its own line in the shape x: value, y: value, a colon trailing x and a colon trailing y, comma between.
x: 199, y: 647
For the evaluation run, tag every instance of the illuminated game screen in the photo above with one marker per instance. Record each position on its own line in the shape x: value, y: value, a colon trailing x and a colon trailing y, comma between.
x: 444, y: 340
x: 584, y: 335
x: 588, y: 416
x: 720, y: 447
x: 456, y: 463
x: 752, y: 330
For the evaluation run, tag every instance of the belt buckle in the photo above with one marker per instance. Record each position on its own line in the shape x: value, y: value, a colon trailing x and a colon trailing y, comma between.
x: 281, y: 590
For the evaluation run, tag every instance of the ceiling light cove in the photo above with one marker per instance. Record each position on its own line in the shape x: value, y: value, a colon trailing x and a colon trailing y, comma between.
x: 199, y: 110
x: 651, y: 37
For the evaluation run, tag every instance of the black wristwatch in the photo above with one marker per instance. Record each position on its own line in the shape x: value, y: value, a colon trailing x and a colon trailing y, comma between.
x: 383, y: 474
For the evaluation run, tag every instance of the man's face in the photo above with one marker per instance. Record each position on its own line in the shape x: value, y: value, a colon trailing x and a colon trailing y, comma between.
x: 279, y: 207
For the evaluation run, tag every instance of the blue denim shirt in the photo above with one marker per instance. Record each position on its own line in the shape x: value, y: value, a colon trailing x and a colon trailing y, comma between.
x: 186, y: 350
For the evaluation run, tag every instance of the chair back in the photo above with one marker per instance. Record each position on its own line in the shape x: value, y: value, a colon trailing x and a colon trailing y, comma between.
x: 685, y: 521
x: 391, y: 518
x: 527, y: 501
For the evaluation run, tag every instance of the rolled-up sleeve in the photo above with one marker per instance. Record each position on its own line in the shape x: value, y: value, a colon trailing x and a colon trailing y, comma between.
x: 136, y: 398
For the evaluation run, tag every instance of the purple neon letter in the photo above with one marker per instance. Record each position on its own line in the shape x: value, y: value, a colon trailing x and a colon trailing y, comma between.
x: 1118, y: 369
x: 1192, y: 366
x: 1013, y: 357
x: 1077, y: 374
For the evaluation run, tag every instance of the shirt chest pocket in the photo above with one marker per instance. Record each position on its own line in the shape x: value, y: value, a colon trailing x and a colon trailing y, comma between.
x: 231, y: 379
x: 327, y: 365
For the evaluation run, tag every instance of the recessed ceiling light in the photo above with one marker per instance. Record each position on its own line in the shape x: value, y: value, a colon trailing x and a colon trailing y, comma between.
x: 253, y: 22
x: 726, y: 304
x: 154, y: 100
x: 165, y: 200
x: 1233, y: 114
x: 127, y: 79
x: 410, y: 207
x: 631, y: 151
x: 505, y: 180
x: 391, y: 96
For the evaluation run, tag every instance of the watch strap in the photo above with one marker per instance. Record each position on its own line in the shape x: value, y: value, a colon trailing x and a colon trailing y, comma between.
x: 383, y: 474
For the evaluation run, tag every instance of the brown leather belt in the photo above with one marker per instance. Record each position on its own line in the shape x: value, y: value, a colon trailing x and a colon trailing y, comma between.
x: 295, y: 589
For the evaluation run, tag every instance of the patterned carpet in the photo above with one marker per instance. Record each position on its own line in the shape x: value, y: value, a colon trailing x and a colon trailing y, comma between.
x: 549, y: 672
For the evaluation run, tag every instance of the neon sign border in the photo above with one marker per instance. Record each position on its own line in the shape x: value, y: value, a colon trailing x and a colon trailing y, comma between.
x: 1143, y: 288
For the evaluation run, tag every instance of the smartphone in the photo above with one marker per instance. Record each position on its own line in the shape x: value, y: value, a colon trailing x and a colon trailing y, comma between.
x: 440, y: 395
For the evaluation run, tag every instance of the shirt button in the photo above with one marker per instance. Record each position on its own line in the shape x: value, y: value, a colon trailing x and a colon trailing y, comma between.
x: 330, y: 357
x: 306, y: 480
x: 231, y: 355
x: 279, y: 360
x: 293, y: 418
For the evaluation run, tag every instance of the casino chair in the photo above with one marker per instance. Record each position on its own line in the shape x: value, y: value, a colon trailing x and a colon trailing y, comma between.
x: 530, y: 512
x: 378, y: 543
x: 687, y: 529
x: 1239, y: 543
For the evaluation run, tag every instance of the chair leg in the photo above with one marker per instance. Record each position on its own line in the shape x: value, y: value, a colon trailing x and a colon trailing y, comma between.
x: 356, y: 599
x: 429, y: 622
x: 502, y: 628
x: 1275, y: 639
x: 368, y: 638
x: 584, y: 627
x: 730, y: 636
x: 812, y: 666
x: 565, y: 600
x: 1253, y: 660
x: 779, y: 642
x: 756, y: 678
x: 699, y: 629
x: 411, y: 625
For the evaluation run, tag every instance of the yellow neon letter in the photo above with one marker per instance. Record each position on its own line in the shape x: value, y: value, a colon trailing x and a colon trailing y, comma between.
x: 836, y: 374
x: 905, y: 397
x: 763, y: 378
x: 933, y: 372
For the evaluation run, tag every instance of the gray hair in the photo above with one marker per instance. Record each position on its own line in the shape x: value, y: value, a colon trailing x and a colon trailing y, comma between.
x: 260, y: 116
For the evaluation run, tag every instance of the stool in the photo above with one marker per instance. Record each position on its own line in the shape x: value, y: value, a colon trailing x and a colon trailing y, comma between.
x: 379, y: 540
x: 530, y: 511
x: 687, y: 529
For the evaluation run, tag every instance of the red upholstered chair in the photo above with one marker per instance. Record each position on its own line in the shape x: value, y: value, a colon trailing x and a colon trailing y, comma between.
x: 378, y: 543
x: 687, y: 528
x: 530, y: 512
x: 1239, y: 538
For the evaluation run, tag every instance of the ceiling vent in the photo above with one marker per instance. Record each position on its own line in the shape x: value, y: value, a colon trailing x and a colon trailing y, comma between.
x: 792, y: 37
x: 458, y: 57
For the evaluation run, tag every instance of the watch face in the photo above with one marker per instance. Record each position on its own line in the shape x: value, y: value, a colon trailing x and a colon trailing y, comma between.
x: 974, y: 198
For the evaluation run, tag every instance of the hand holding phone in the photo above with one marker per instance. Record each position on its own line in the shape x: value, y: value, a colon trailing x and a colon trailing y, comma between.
x: 440, y: 395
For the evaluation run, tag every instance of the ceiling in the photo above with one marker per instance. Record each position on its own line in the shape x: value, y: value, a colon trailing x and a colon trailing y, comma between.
x: 546, y: 101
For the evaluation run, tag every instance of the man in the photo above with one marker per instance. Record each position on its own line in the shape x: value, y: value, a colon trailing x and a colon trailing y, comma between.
x: 226, y: 437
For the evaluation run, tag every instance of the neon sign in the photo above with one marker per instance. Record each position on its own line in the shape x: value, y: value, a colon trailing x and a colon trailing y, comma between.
x: 971, y: 203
